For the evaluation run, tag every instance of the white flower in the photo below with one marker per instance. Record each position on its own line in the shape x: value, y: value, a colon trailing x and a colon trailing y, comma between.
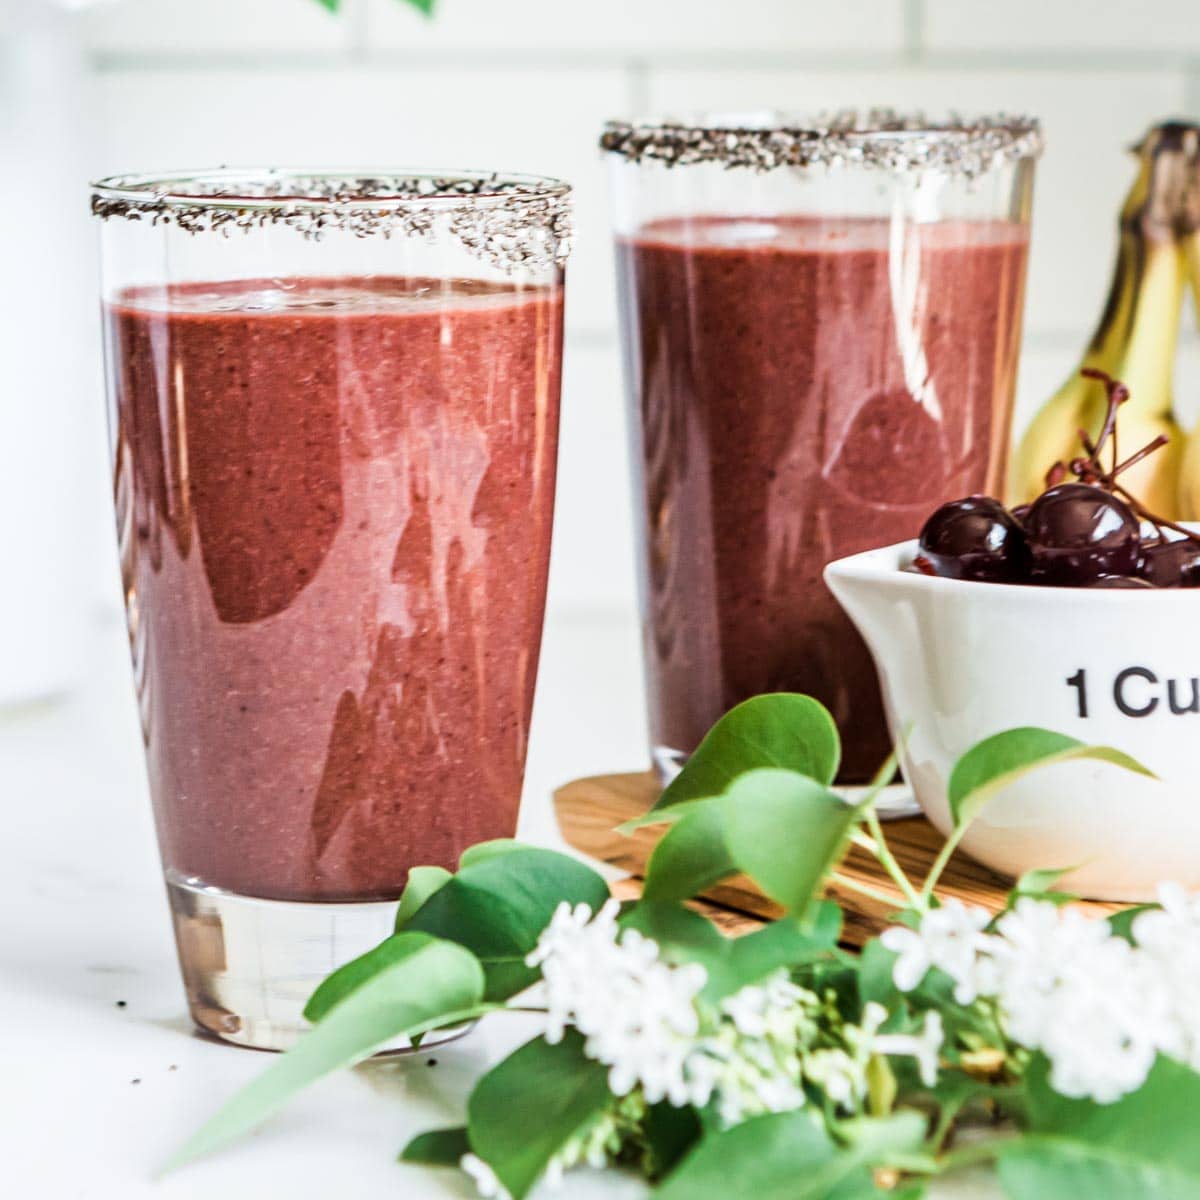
x: 751, y: 1062
x: 1170, y: 940
x: 1087, y: 999
x: 924, y: 1046
x: 767, y: 1009
x: 637, y: 1014
x: 842, y: 1077
x: 486, y: 1182
x: 950, y: 938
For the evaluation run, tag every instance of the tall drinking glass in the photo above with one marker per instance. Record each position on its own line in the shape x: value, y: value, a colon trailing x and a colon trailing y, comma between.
x: 334, y: 417
x: 820, y: 330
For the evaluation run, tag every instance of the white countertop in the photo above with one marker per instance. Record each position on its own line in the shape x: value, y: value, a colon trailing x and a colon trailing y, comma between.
x: 93, y: 1093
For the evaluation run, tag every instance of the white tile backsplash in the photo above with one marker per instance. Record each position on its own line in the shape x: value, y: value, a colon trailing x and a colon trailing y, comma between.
x: 1089, y: 118
x: 525, y: 84
x: 545, y: 122
x: 1072, y: 26
x: 145, y: 27
x: 640, y: 26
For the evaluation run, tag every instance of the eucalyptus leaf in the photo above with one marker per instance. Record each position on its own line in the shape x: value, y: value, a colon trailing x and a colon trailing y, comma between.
x: 786, y: 943
x: 682, y: 934
x: 421, y: 884
x: 685, y: 936
x: 782, y: 1156
x: 437, y: 1147
x: 786, y: 831
x: 1040, y: 885
x: 1144, y: 1145
x: 525, y: 1109
x: 1121, y: 923
x: 1002, y: 759
x: 881, y: 1139
x: 780, y: 729
x: 349, y: 978
x: 691, y: 856
x: 437, y: 984
x: 485, y: 850
x: 662, y: 816
x: 498, y: 906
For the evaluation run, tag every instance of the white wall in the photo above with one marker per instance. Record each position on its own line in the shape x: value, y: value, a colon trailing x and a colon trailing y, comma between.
x: 525, y: 84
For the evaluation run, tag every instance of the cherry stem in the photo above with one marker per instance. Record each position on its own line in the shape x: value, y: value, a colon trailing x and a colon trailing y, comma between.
x: 1089, y: 469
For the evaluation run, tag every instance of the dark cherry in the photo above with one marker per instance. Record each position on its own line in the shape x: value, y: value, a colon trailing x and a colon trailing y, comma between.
x: 975, y: 538
x: 1171, y: 564
x: 1020, y: 513
x: 1078, y: 533
x: 1120, y: 581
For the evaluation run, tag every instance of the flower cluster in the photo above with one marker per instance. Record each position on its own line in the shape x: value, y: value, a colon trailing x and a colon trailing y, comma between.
x: 1100, y: 1009
x: 750, y: 1053
x: 637, y: 1014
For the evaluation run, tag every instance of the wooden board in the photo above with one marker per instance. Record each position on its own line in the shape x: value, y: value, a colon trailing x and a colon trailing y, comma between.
x: 589, y: 811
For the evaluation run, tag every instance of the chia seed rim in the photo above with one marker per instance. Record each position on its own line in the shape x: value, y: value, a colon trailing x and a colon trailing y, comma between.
x: 512, y: 220
x: 877, y: 138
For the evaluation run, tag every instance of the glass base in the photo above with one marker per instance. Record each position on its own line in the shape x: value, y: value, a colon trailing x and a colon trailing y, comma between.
x: 894, y: 804
x: 249, y: 966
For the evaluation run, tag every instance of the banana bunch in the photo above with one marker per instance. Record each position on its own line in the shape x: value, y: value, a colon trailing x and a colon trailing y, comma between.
x: 1136, y: 338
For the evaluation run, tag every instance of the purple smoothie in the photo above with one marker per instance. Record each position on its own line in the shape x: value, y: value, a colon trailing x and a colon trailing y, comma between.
x: 335, y: 503
x: 801, y: 393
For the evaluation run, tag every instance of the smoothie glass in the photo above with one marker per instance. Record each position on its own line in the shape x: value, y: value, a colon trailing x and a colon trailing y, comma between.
x: 333, y: 407
x: 820, y: 326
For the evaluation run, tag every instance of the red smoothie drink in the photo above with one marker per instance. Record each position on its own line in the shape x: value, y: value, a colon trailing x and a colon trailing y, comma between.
x: 335, y: 503
x: 807, y: 388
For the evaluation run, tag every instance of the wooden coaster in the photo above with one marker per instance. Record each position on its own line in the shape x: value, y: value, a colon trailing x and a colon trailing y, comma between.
x: 589, y: 811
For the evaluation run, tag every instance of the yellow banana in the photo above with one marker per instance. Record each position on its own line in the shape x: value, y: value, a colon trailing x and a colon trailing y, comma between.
x: 1135, y: 340
x: 1189, y: 470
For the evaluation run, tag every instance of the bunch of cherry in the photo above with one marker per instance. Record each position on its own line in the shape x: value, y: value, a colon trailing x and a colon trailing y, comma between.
x: 1082, y: 532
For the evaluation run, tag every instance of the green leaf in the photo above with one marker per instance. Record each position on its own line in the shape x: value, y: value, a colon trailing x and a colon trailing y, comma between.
x: 662, y: 816
x: 437, y: 984
x: 498, y: 906
x: 787, y: 943
x: 875, y: 982
x: 526, y: 1108
x: 421, y: 884
x: 685, y: 936
x: 670, y: 1133
x: 691, y: 856
x: 332, y: 5
x: 1038, y: 1168
x: 1040, y: 885
x: 780, y: 729
x: 482, y: 851
x: 437, y: 1147
x: 786, y: 832
x: 347, y: 979
x: 425, y: 6
x: 997, y: 761
x: 782, y: 1156
x: 883, y: 1139
x: 1143, y: 1146
x: 1121, y: 923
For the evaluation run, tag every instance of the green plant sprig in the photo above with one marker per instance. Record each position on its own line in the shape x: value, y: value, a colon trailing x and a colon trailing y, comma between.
x: 755, y: 798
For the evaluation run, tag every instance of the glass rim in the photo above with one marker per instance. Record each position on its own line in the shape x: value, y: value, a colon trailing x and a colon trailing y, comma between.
x: 317, y: 188
x: 882, y: 137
